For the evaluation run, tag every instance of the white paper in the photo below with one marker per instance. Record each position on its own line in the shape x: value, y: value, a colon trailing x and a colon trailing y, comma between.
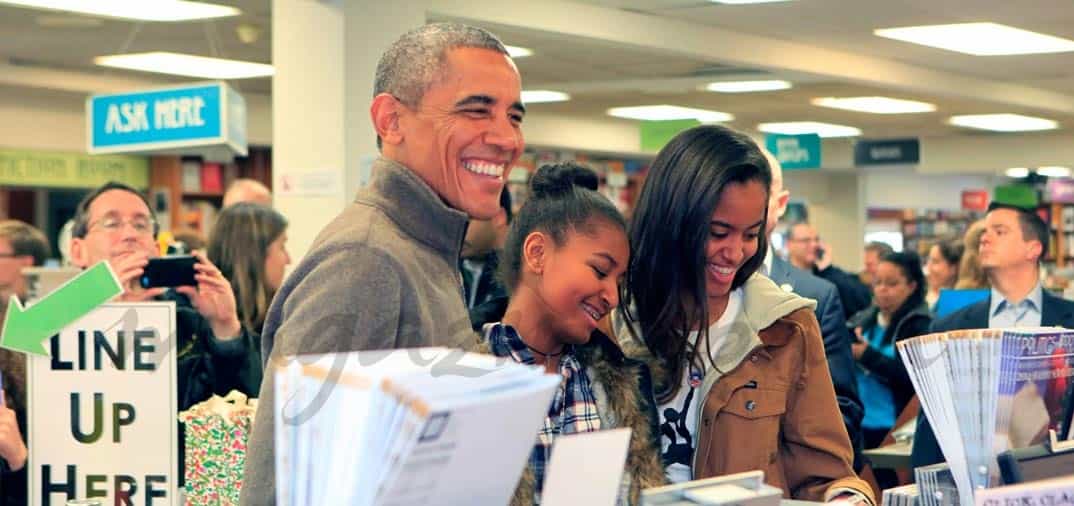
x: 586, y: 468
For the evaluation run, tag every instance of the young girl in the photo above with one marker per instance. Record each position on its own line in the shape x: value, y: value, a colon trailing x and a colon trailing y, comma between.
x: 738, y: 363
x: 562, y: 260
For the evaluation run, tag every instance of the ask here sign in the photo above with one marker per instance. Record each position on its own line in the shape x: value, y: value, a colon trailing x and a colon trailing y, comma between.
x: 102, y: 409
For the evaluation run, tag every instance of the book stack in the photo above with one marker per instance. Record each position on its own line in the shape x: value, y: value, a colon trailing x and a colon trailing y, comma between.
x: 405, y: 427
x: 988, y: 390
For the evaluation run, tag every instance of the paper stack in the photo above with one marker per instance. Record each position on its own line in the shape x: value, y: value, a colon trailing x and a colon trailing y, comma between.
x: 987, y: 390
x: 405, y: 427
x: 906, y: 495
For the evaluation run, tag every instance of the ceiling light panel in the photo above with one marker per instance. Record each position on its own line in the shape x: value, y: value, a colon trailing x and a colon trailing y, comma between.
x: 875, y: 105
x: 186, y: 65
x: 542, y: 96
x: 979, y: 39
x: 518, y: 52
x: 142, y: 10
x: 1003, y: 122
x: 809, y: 127
x: 1017, y: 172
x: 744, y: 2
x: 748, y: 86
x: 1053, y: 171
x: 669, y: 112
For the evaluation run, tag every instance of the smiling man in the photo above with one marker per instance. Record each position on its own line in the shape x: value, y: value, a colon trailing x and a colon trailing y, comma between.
x: 384, y: 274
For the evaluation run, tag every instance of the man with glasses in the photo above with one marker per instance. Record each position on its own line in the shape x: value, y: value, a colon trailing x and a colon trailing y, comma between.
x: 216, y: 354
x: 805, y: 251
x: 1012, y: 247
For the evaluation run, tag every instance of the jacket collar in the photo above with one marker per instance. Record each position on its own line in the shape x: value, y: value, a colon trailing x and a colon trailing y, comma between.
x: 763, y: 304
x: 414, y: 207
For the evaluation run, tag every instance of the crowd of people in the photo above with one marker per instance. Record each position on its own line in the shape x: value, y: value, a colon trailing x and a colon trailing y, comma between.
x: 682, y: 324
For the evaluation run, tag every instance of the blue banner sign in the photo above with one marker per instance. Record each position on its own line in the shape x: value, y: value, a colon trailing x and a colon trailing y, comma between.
x: 188, y: 119
x: 795, y: 151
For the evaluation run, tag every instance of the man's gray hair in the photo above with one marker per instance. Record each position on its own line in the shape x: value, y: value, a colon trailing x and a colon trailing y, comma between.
x: 412, y: 63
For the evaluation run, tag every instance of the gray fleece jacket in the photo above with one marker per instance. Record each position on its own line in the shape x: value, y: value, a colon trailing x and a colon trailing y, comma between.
x: 383, y: 274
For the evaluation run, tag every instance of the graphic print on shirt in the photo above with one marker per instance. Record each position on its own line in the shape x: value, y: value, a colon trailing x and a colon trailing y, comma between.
x: 677, y: 441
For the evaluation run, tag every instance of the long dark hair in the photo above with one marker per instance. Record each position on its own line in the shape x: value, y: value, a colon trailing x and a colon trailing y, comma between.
x: 238, y: 246
x: 563, y: 197
x: 909, y: 264
x: 665, y: 286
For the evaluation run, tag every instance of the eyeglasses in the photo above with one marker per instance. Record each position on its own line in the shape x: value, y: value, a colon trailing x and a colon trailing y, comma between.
x: 142, y: 225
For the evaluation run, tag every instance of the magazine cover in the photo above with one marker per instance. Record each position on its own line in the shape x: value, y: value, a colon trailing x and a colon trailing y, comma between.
x: 1035, y: 375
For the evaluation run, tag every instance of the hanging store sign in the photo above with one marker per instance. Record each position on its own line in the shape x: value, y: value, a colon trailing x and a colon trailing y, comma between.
x: 974, y: 200
x: 70, y: 170
x: 794, y: 151
x: 887, y: 152
x: 207, y: 119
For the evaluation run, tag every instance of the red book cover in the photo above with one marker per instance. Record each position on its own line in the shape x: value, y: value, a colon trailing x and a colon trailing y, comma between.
x: 212, y: 178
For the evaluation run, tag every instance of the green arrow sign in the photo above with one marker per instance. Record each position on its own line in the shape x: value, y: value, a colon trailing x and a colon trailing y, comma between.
x: 25, y: 329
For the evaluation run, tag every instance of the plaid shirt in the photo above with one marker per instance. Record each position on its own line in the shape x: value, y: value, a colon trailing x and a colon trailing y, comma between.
x: 573, y: 408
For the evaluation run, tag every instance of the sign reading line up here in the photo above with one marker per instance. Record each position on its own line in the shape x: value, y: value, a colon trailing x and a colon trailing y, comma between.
x: 170, y: 120
x: 102, y: 409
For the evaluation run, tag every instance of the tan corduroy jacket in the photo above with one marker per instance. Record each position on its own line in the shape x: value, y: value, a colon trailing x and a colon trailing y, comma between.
x: 769, y: 403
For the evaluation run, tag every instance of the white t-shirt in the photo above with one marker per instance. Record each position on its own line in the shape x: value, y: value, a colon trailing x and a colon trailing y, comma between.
x: 678, y: 418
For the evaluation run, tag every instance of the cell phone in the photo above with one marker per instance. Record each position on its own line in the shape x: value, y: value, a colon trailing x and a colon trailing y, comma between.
x: 169, y: 271
x: 820, y: 252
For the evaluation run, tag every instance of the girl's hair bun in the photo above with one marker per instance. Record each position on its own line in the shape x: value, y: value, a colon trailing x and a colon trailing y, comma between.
x: 559, y: 179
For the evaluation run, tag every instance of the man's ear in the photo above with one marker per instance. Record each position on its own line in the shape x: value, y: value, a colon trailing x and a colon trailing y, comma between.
x: 1035, y: 250
x: 385, y: 112
x: 535, y: 251
x: 78, y: 252
x: 782, y: 198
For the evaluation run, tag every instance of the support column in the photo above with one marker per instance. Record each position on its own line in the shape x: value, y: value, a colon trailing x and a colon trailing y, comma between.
x: 325, y: 54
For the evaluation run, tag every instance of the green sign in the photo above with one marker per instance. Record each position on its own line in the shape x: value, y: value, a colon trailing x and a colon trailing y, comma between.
x: 1018, y: 195
x: 795, y: 151
x: 25, y: 329
x: 71, y: 170
x: 655, y: 134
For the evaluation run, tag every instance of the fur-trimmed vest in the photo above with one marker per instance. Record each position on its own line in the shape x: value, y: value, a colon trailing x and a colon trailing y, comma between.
x: 623, y: 388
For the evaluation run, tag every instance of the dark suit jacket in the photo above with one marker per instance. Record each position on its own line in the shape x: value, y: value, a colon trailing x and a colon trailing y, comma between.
x: 854, y: 295
x: 490, y: 302
x: 1055, y: 312
x: 836, y: 342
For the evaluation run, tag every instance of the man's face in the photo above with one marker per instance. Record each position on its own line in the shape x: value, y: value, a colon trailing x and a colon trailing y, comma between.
x: 11, y: 271
x: 872, y: 260
x: 1003, y: 244
x: 466, y: 134
x: 119, y: 224
x: 802, y: 245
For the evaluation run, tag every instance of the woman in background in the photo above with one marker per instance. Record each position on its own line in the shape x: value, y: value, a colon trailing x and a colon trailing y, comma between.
x: 248, y: 245
x: 941, y: 268
x: 898, y: 312
x: 970, y: 273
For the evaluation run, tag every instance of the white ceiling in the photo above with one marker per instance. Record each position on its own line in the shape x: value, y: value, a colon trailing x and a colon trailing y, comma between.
x: 602, y: 74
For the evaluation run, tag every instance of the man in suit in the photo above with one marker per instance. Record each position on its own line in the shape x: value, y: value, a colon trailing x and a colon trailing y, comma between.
x: 486, y: 298
x: 1011, y: 248
x: 829, y: 312
x: 805, y: 251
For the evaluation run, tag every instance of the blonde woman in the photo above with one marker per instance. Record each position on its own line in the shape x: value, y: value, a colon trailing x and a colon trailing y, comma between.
x: 970, y: 273
x: 248, y: 245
